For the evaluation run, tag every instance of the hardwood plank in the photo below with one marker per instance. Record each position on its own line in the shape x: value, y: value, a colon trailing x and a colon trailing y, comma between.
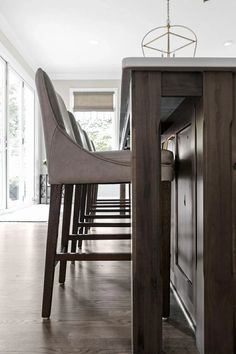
x: 147, y: 287
x: 218, y: 255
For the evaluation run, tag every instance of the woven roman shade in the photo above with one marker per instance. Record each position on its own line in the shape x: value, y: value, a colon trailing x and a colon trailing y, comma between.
x: 93, y: 101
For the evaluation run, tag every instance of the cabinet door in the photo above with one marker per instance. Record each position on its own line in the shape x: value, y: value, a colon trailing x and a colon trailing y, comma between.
x: 185, y: 190
x: 183, y: 217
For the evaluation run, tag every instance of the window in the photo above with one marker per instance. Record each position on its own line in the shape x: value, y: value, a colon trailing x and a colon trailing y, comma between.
x: 95, y: 110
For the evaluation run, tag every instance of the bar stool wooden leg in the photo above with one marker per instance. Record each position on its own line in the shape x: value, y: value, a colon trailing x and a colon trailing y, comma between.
x: 77, y: 195
x: 77, y: 201
x: 165, y: 228
x: 52, y: 236
x: 65, y: 229
x: 129, y: 191
x: 122, y: 197
x: 82, y: 211
x: 89, y: 196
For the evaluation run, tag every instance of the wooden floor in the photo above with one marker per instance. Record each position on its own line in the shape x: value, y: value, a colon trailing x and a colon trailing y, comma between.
x: 91, y: 314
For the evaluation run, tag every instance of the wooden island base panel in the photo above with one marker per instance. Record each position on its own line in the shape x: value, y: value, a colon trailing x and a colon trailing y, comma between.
x: 192, y: 102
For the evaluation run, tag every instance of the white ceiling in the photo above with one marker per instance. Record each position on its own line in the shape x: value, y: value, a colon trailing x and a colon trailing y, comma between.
x: 89, y: 38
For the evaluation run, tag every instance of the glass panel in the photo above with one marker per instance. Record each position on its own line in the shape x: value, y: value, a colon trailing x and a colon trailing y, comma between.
x: 99, y: 127
x: 14, y: 160
x: 28, y: 140
x: 2, y: 136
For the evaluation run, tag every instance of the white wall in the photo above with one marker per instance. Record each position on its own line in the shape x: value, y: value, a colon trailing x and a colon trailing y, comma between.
x: 63, y: 87
x: 9, y: 53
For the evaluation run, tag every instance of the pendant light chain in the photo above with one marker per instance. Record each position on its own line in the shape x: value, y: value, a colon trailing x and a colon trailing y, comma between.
x: 168, y: 28
x: 168, y: 12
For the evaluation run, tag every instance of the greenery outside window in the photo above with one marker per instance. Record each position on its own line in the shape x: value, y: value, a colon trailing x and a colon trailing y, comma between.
x: 96, y: 112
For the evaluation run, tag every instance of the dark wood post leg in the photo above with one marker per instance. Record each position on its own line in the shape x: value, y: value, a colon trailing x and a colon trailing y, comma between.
x: 165, y: 227
x: 65, y: 229
x: 93, y: 186
x: 219, y: 219
x: 95, y: 195
x: 146, y: 221
x: 82, y: 210
x: 122, y: 197
x: 89, y: 198
x: 77, y: 198
x: 52, y: 236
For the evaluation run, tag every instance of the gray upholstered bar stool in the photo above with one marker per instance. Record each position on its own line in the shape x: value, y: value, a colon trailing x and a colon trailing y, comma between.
x: 83, y: 218
x: 86, y: 195
x: 68, y: 165
x: 105, y: 205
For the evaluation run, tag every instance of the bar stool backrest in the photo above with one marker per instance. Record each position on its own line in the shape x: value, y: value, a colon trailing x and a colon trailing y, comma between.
x: 88, y: 141
x: 67, y: 161
x: 66, y: 117
x: 78, y: 132
x: 93, y: 146
x: 54, y: 113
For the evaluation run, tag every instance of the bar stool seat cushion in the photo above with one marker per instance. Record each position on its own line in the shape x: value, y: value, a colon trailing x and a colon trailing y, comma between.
x: 82, y: 166
x: 122, y: 156
x: 167, y: 165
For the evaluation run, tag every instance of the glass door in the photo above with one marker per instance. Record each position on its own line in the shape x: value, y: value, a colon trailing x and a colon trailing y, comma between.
x: 28, y: 143
x: 17, y: 113
x: 2, y: 134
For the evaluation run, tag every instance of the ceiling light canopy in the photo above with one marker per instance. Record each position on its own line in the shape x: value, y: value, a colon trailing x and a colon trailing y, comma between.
x: 228, y: 43
x: 94, y: 42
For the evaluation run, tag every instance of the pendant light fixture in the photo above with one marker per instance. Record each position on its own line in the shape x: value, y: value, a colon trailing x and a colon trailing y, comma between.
x: 167, y: 40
